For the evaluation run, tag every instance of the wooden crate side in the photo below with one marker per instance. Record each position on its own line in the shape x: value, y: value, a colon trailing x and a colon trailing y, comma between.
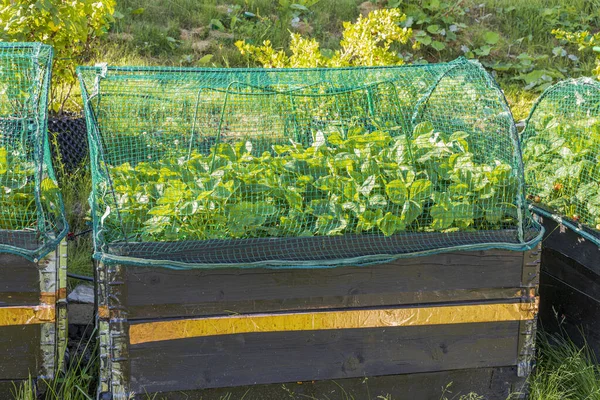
x: 277, y: 357
x: 564, y: 240
x: 570, y: 299
x: 120, y: 363
x: 19, y: 281
x: 31, y: 321
x: 492, y: 383
x: 20, y: 351
x: 163, y: 293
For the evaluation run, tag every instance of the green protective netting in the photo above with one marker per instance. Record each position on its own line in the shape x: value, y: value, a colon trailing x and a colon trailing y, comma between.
x: 301, y: 167
x: 561, y: 154
x: 32, y: 220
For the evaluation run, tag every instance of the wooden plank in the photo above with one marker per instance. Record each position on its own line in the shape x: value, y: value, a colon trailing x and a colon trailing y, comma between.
x: 351, y: 318
x: 8, y: 388
x: 19, y: 281
x: 255, y: 358
x: 20, y: 351
x: 568, y: 242
x: 570, y: 301
x: 492, y: 383
x: 574, y: 274
x: 460, y: 276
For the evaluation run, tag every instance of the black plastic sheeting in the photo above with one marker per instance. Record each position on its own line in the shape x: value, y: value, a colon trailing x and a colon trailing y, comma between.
x: 69, y: 144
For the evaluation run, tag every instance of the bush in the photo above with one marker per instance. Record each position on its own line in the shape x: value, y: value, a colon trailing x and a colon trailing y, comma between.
x: 69, y: 26
x: 585, y: 40
x: 366, y: 42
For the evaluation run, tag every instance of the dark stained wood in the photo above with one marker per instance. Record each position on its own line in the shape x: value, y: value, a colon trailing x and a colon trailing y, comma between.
x: 154, y: 292
x: 492, y: 383
x: 245, y: 359
x: 570, y: 243
x: 8, y: 389
x: 20, y: 352
x: 19, y: 281
x: 570, y: 299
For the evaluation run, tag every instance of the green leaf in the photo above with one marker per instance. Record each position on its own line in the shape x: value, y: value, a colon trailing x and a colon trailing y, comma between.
x: 205, y: 59
x: 217, y: 24
x: 434, y: 29
x: 390, y: 224
x: 367, y: 186
x: 423, y: 128
x: 491, y: 37
x: 424, y: 39
x: 442, y: 217
x: 396, y: 191
x: 533, y: 76
x: 439, y: 46
x: 3, y: 161
x: 377, y: 201
x: 368, y: 220
x: 420, y: 190
x: 483, y: 51
x: 410, y: 211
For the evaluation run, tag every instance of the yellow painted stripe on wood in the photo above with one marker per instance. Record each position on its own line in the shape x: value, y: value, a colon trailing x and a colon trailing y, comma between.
x: 325, y: 320
x: 26, y: 315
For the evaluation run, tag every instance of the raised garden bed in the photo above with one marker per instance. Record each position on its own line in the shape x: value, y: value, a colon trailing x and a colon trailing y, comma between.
x: 445, y: 316
x: 570, y: 283
x: 33, y: 318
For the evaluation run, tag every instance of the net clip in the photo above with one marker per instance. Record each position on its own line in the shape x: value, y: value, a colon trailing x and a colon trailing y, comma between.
x: 103, y: 70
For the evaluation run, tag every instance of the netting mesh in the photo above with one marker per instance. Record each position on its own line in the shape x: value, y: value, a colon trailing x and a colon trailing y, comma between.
x: 561, y: 153
x: 205, y: 167
x: 32, y: 219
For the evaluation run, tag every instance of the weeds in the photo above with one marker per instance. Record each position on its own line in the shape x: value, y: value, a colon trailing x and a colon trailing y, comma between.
x: 77, y: 382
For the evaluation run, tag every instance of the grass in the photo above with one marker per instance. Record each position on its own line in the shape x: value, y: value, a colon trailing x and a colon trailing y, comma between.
x: 77, y: 382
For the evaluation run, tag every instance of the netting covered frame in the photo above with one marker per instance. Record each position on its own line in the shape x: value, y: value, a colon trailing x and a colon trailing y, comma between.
x: 91, y: 89
x: 529, y: 132
x: 50, y: 229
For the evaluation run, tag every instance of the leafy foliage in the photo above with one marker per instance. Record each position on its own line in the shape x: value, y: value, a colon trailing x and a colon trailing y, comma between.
x: 562, y: 167
x: 365, y: 42
x: 69, y: 26
x: 585, y: 40
x: 17, y: 191
x: 346, y: 182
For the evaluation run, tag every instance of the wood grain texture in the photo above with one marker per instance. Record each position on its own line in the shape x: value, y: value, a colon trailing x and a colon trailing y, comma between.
x: 492, y: 383
x: 564, y: 240
x: 20, y: 351
x: 570, y: 299
x: 246, y: 359
x: 19, y: 281
x: 163, y: 293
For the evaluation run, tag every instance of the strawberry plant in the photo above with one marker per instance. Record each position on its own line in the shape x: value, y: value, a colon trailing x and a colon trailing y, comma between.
x: 17, y: 191
x: 346, y: 181
x: 562, y: 166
